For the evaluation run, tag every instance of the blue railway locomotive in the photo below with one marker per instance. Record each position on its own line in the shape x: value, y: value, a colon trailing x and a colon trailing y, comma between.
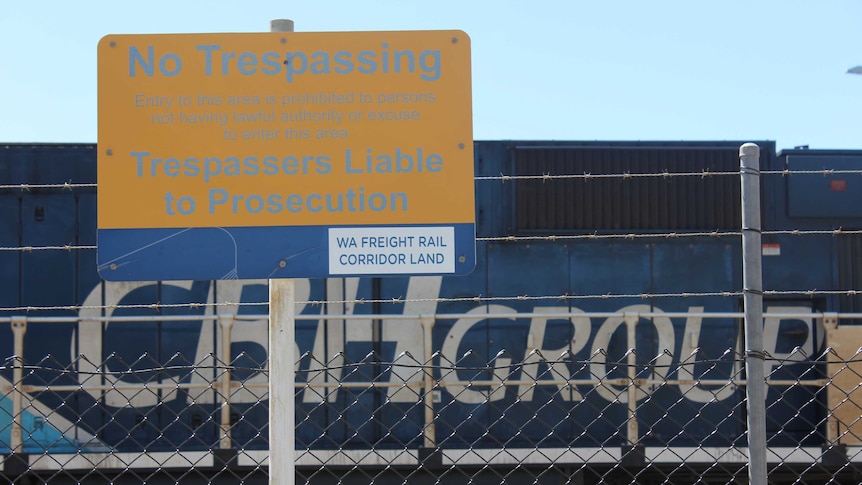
x: 612, y: 238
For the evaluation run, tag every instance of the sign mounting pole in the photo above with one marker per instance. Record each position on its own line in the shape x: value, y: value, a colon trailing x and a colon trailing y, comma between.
x: 282, y: 403
x: 282, y: 378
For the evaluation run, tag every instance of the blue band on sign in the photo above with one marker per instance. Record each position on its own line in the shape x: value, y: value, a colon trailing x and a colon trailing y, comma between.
x: 216, y: 253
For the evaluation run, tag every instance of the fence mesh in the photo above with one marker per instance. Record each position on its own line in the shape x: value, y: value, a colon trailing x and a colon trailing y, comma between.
x: 619, y: 416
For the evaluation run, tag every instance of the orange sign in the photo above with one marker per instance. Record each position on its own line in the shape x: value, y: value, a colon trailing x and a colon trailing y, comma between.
x: 285, y: 129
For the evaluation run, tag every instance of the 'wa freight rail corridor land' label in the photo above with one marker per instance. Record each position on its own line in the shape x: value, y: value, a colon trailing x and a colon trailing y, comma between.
x: 252, y: 155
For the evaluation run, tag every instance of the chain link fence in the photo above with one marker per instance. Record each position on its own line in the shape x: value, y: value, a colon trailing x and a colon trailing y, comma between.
x: 620, y: 415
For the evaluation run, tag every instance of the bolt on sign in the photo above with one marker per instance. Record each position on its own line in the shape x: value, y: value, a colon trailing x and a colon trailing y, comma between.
x: 270, y: 155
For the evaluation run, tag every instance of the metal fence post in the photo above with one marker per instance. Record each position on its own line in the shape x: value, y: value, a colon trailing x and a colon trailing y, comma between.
x: 16, y: 438
x: 226, y: 328
x: 429, y: 433
x: 631, y: 321
x: 752, y: 283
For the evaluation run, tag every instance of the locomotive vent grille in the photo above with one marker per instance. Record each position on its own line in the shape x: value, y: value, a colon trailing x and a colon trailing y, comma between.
x: 671, y: 202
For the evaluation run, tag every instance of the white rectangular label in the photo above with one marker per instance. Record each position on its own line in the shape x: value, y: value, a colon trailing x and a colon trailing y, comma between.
x: 771, y: 250
x: 391, y: 250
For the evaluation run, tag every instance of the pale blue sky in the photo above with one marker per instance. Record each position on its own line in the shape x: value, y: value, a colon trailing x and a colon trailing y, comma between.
x: 575, y: 70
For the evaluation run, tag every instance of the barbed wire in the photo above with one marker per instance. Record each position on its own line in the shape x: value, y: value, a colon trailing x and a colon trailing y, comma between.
x: 514, y: 177
x: 666, y: 235
x: 803, y: 232
x: 550, y: 237
x: 664, y: 174
x: 364, y: 301
x: 590, y: 176
x: 597, y: 236
x: 479, y: 299
x: 64, y: 186
x: 809, y: 293
x: 825, y: 171
x: 65, y: 247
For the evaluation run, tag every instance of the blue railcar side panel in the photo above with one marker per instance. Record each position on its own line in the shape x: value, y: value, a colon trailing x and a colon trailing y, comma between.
x: 451, y: 428
x: 313, y: 414
x: 250, y: 360
x: 131, y: 346
x: 610, y: 268
x: 352, y: 413
x: 9, y: 260
x: 599, y: 268
x: 795, y: 415
x: 42, y: 217
x: 250, y: 357
x: 828, y: 206
x: 542, y: 268
x: 805, y: 262
x: 829, y: 195
x: 699, y: 410
x: 85, y: 282
x: 9, y: 297
x: 461, y: 287
x: 177, y: 348
x: 85, y: 233
x: 404, y: 422
x: 695, y: 266
x: 468, y: 416
x: 48, y: 218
